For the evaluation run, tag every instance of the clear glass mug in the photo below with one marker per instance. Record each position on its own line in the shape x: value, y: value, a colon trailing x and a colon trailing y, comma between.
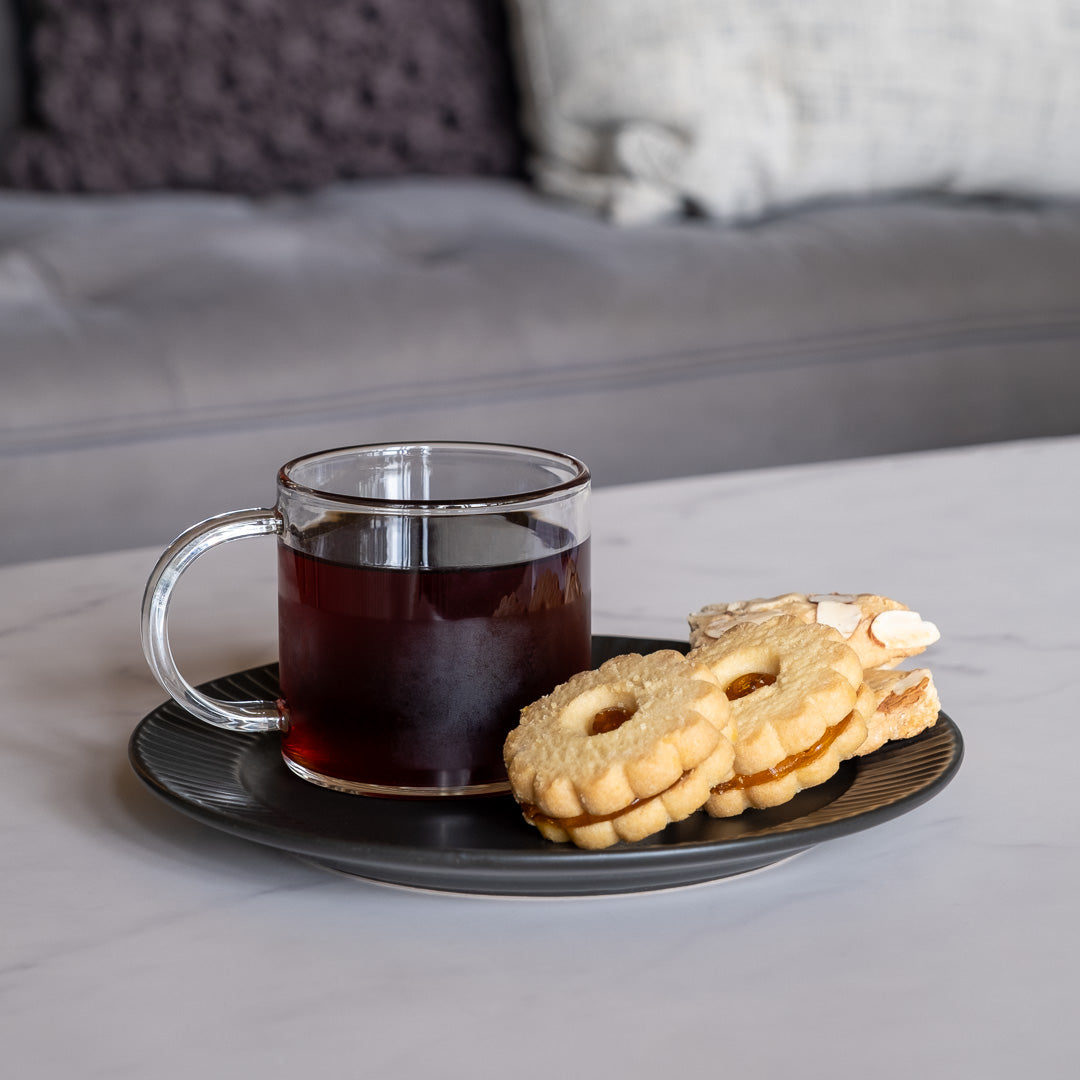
x: 426, y: 592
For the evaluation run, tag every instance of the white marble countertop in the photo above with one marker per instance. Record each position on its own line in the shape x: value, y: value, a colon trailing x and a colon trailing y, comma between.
x: 137, y: 942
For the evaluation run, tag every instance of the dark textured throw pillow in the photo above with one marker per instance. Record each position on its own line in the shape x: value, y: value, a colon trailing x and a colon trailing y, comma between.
x: 10, y: 72
x: 255, y: 96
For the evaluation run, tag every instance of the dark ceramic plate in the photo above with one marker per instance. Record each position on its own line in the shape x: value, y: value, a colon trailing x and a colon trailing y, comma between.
x: 238, y: 783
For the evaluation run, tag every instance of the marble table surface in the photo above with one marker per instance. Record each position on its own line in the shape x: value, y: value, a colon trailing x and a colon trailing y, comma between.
x: 138, y: 942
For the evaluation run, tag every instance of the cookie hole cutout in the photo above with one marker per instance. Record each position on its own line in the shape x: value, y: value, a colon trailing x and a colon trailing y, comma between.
x: 746, y: 684
x: 578, y: 715
x: 610, y: 719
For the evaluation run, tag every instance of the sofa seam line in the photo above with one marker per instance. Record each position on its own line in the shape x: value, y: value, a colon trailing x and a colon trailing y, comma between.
x: 686, y: 365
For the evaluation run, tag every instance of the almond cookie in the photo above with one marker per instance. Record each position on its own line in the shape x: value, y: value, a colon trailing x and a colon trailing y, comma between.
x: 621, y: 752
x: 799, y: 704
x: 883, y: 632
x: 905, y: 703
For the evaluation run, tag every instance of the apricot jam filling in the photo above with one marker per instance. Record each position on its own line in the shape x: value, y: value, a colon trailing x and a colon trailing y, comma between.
x: 748, y: 683
x: 534, y: 814
x: 609, y: 719
x: 788, y: 764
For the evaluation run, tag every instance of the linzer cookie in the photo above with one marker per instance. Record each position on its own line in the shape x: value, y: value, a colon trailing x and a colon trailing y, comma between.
x: 620, y: 752
x: 799, y: 704
x: 883, y: 632
x: 905, y: 703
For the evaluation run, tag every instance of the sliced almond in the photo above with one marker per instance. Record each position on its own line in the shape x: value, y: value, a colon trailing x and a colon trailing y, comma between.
x: 771, y: 603
x: 712, y: 609
x: 838, y: 597
x: 902, y: 629
x: 724, y: 623
x: 905, y: 692
x: 844, y: 617
x: 910, y: 680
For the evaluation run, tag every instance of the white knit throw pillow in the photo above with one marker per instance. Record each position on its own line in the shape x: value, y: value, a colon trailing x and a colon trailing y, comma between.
x: 736, y: 108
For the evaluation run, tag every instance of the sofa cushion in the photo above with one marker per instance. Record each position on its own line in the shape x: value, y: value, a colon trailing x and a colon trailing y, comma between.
x: 234, y: 95
x: 163, y: 354
x: 735, y: 108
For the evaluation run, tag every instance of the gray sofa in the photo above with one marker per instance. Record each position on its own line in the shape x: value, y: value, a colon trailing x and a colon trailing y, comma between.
x: 161, y: 353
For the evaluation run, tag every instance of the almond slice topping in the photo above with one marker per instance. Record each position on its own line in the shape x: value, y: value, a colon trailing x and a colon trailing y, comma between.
x: 903, y: 629
x: 844, y: 617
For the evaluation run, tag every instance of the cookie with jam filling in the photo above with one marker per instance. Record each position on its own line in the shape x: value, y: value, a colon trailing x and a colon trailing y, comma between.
x: 799, y: 705
x: 620, y: 752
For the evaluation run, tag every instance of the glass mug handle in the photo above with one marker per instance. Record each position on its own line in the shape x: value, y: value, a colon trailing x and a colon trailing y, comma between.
x: 181, y: 553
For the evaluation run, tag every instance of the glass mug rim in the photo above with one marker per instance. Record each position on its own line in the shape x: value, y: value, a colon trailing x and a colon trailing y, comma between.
x: 580, y: 479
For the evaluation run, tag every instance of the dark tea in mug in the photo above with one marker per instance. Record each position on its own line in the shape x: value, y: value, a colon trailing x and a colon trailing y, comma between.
x: 411, y: 678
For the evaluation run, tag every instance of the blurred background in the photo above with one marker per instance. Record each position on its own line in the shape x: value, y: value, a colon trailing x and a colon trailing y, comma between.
x: 667, y: 238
